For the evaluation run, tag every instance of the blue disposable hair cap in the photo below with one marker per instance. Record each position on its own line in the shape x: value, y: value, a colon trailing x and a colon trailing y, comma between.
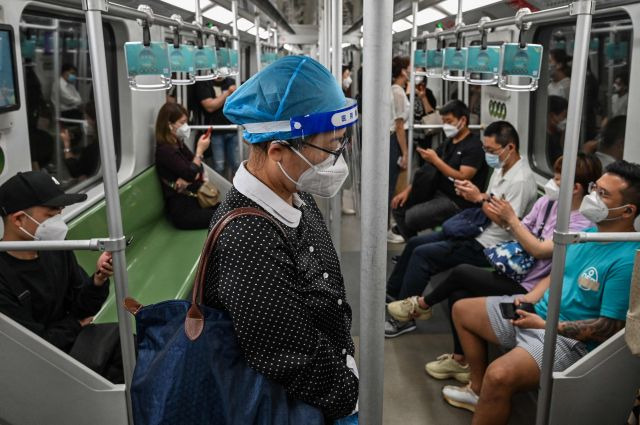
x: 293, y: 97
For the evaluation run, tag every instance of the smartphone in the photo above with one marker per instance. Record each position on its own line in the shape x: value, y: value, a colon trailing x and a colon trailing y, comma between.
x: 208, y: 133
x: 508, y: 310
x: 452, y: 179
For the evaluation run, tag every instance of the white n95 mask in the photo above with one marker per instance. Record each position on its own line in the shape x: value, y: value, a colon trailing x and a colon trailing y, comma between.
x: 595, y: 210
x: 51, y: 229
x: 324, y: 179
x: 183, y: 132
x: 552, y: 190
x: 450, y: 131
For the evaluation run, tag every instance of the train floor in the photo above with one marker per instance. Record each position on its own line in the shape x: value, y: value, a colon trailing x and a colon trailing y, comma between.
x: 411, y: 397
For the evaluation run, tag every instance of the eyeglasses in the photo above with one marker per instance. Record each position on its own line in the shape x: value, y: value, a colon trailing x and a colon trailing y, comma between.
x: 344, y: 143
x: 493, y: 152
x: 593, y: 186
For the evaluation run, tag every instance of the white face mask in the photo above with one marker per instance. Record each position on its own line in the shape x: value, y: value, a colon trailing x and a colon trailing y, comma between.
x: 346, y: 83
x: 450, y: 130
x: 562, y: 125
x: 595, y: 210
x: 52, y: 229
x: 183, y: 132
x: 324, y: 179
x: 552, y: 190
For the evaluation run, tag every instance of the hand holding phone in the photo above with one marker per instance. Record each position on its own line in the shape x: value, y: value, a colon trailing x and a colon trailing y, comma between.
x: 508, y: 310
x: 208, y: 133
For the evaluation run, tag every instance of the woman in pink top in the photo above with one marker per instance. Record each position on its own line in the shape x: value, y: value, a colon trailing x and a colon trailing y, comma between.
x: 466, y: 281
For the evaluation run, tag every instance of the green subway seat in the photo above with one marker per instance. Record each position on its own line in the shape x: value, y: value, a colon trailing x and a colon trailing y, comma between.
x: 161, y: 260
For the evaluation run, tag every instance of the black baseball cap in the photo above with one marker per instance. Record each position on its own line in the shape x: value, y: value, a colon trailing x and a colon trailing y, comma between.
x: 34, y: 188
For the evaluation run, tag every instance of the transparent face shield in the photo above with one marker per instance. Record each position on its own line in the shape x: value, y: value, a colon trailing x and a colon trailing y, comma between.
x: 323, y: 142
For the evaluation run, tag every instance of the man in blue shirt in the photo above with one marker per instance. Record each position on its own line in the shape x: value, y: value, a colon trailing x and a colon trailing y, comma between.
x: 595, y: 298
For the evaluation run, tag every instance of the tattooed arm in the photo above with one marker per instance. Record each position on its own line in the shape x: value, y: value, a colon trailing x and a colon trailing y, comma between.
x: 598, y: 330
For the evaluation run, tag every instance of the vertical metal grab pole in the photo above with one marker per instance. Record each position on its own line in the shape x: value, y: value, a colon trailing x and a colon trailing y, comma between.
x: 412, y: 91
x: 236, y: 46
x: 336, y: 67
x: 376, y: 105
x: 258, y: 43
x: 94, y: 9
x: 583, y: 9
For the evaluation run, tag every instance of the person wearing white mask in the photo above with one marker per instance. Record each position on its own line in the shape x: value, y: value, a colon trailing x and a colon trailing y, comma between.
x: 346, y: 80
x: 535, y: 235
x: 593, y: 306
x: 278, y: 277
x: 431, y: 198
x: 556, y: 126
x: 620, y: 97
x: 431, y: 253
x: 180, y: 171
x: 46, y: 291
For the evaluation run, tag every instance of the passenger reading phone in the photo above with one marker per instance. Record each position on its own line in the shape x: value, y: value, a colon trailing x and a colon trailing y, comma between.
x: 593, y: 307
x: 431, y: 198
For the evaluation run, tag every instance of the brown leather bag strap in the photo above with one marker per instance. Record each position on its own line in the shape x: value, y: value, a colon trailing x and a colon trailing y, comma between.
x: 194, y: 322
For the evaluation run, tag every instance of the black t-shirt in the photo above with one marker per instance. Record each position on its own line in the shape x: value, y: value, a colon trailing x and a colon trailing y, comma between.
x: 467, y: 151
x: 210, y: 89
x: 49, y: 295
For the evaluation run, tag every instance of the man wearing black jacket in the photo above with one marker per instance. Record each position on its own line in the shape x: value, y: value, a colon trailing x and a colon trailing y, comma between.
x: 46, y: 291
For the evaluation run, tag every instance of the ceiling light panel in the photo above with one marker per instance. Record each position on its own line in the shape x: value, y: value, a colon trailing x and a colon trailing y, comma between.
x: 426, y: 16
x: 244, y: 24
x: 401, y: 25
x: 219, y: 14
x: 182, y: 4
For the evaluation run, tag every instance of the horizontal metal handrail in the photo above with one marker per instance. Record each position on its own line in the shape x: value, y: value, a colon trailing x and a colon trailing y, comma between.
x: 215, y: 127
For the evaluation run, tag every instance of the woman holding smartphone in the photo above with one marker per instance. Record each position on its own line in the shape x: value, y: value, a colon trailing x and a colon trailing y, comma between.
x: 180, y: 171
x: 467, y: 281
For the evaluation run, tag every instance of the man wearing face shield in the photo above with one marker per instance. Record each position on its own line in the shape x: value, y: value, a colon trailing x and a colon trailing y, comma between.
x: 593, y: 306
x: 47, y: 291
x: 286, y: 295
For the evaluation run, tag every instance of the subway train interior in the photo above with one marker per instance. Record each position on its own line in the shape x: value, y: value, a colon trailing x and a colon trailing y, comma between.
x: 79, y: 102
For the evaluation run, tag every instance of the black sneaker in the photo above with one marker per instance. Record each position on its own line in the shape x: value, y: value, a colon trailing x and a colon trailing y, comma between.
x: 394, y: 328
x: 395, y: 259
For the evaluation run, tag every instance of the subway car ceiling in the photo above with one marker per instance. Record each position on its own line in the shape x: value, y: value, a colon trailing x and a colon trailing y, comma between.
x: 134, y: 113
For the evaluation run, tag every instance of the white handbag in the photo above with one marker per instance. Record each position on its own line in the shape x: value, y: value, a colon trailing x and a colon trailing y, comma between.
x: 433, y: 118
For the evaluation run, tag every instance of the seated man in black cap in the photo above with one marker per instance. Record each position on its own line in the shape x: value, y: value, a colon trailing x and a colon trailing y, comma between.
x: 47, y: 291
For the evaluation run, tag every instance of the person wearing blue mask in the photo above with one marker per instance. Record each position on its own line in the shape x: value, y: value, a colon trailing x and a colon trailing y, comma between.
x: 70, y: 101
x: 284, y: 290
x: 432, y: 253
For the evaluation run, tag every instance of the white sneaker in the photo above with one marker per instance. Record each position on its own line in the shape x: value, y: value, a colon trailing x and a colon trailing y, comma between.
x: 394, y: 237
x: 348, y: 211
x: 462, y: 397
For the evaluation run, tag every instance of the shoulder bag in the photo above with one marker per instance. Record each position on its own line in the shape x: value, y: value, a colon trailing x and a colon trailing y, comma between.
x: 510, y: 258
x: 190, y: 368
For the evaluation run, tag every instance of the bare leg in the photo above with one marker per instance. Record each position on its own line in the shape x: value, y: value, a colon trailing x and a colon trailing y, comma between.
x: 514, y: 372
x: 474, y: 330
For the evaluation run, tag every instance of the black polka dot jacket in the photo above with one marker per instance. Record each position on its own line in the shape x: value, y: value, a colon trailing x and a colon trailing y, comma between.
x: 287, y: 303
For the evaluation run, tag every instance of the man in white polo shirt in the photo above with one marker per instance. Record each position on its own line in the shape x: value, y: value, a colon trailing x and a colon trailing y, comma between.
x: 426, y: 255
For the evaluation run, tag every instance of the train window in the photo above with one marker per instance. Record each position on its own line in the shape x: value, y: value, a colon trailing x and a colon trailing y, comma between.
x: 63, y: 136
x: 605, y: 92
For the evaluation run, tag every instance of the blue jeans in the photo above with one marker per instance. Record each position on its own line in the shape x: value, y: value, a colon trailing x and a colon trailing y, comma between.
x: 426, y: 255
x: 224, y: 148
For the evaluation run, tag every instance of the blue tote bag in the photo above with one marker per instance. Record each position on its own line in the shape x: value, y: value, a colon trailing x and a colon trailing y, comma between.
x: 190, y: 369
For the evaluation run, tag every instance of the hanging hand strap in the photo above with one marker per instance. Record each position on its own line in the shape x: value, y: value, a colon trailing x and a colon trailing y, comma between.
x: 194, y: 322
